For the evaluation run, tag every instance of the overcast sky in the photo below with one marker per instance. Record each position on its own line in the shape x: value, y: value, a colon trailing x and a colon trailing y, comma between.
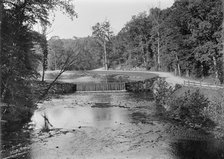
x: 118, y: 12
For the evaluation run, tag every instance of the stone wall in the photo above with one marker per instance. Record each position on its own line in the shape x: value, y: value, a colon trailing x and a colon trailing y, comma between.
x: 57, y: 88
x: 140, y: 86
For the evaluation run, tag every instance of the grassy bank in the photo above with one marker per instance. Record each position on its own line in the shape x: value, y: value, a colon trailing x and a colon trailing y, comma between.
x: 132, y: 75
x: 215, y: 109
x: 199, y: 108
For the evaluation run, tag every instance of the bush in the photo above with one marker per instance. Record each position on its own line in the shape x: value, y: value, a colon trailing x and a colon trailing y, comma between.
x: 162, y: 92
x: 215, y: 110
x: 220, y: 69
x: 189, y: 108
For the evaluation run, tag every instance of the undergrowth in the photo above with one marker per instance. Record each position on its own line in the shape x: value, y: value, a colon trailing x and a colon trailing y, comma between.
x: 190, y: 108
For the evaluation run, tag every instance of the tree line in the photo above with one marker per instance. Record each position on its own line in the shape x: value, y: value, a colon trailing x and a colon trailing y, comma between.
x: 186, y: 38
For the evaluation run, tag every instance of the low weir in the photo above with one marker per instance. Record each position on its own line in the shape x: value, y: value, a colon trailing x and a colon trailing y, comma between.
x: 96, y: 87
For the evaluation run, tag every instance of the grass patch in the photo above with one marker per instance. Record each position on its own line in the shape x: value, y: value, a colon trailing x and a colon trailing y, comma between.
x: 133, y: 76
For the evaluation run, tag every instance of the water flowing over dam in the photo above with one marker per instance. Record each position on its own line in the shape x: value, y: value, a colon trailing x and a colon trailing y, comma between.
x: 98, y: 87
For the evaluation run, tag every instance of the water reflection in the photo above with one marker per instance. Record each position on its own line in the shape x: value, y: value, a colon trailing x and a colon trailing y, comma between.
x: 70, y: 118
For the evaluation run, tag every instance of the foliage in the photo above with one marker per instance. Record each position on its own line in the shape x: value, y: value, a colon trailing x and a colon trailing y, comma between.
x: 90, y: 56
x: 133, y: 41
x: 103, y: 34
x: 19, y: 59
x: 215, y: 110
x: 85, y: 51
x: 162, y: 92
x: 220, y: 69
x: 189, y: 108
x: 186, y: 38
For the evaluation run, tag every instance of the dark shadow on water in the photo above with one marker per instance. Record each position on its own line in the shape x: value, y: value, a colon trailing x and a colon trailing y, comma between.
x: 191, y: 149
x: 147, y: 96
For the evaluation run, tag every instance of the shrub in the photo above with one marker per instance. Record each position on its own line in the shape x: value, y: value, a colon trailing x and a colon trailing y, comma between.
x: 215, y: 110
x: 162, y: 92
x: 189, y: 108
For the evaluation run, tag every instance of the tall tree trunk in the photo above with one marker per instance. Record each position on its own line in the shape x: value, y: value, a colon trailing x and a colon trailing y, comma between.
x: 223, y: 42
x: 43, y: 74
x: 1, y: 10
x: 55, y: 62
x: 178, y: 66
x: 215, y: 67
x: 187, y: 73
x: 158, y: 52
x: 44, y: 49
x: 143, y: 53
x: 44, y: 64
x: 105, y: 55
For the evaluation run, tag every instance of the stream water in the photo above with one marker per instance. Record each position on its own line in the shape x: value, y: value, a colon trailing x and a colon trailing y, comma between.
x: 106, y: 125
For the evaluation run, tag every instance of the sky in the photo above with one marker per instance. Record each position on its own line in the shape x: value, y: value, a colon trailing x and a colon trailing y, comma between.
x: 117, y: 12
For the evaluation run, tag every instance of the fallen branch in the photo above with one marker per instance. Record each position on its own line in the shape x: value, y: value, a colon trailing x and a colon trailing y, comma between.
x: 67, y: 64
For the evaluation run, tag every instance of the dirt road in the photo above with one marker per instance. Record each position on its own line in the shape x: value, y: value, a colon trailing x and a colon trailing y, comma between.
x: 169, y: 77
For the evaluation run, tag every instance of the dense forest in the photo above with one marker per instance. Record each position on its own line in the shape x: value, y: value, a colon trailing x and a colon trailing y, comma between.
x: 185, y: 38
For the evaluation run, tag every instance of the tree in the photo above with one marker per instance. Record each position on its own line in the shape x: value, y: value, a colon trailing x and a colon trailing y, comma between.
x: 19, y: 60
x: 155, y: 15
x: 44, y: 48
x: 89, y: 56
x: 185, y: 38
x: 134, y: 41
x: 206, y: 27
x: 68, y: 60
x: 56, y: 51
x: 190, y: 37
x: 41, y: 48
x: 103, y: 33
x: 174, y: 32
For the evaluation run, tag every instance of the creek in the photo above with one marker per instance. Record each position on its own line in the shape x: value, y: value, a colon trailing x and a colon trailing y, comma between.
x: 106, y: 125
